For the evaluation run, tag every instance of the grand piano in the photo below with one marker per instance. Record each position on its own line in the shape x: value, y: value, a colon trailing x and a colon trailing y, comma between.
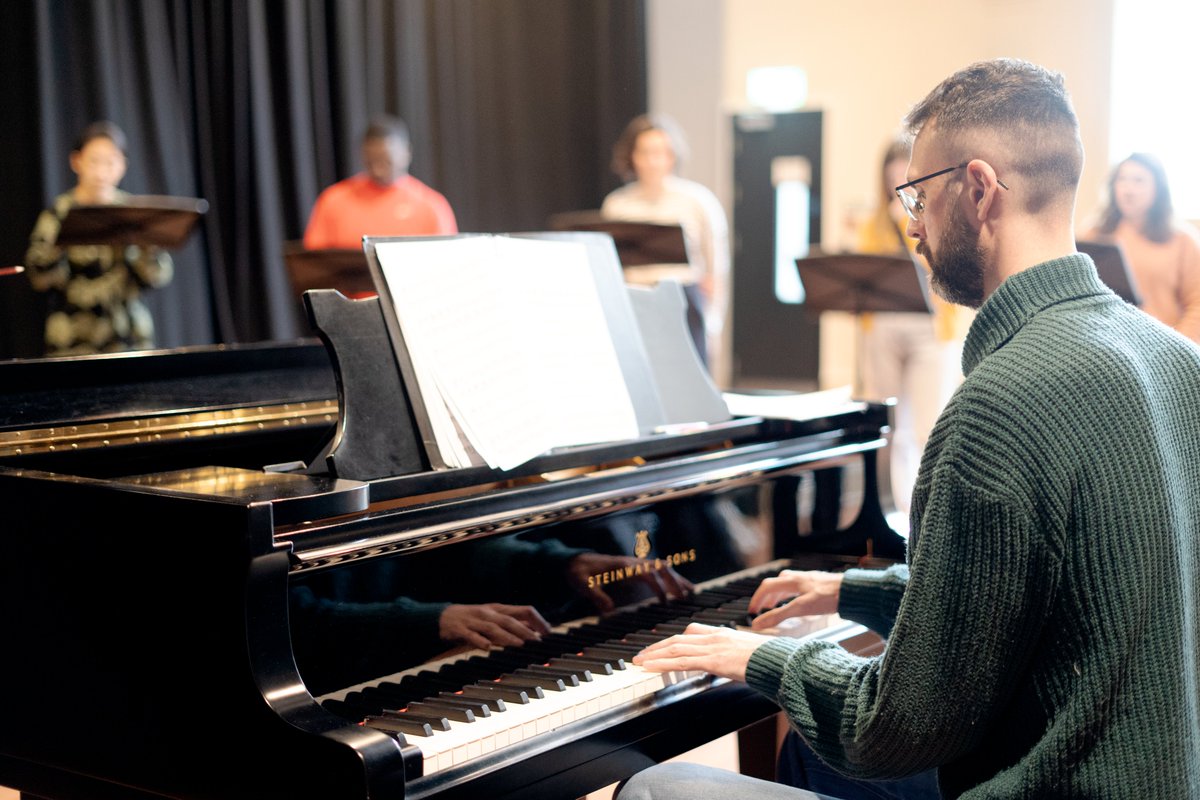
x: 201, y: 601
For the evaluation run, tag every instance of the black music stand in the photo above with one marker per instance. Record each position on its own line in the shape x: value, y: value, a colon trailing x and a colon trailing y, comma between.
x: 344, y: 269
x: 1113, y: 268
x: 860, y: 283
x: 156, y: 220
x: 638, y: 244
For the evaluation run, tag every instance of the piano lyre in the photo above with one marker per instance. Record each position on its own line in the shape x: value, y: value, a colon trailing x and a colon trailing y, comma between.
x: 189, y: 614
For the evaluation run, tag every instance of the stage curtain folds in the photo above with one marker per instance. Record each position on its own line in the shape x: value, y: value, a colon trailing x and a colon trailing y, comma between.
x: 256, y: 106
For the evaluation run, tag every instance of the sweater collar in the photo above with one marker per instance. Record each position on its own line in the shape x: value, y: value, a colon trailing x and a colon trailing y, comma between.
x: 1023, y: 295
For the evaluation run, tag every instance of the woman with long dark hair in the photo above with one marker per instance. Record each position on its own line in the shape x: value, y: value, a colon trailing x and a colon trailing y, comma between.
x: 1163, y: 253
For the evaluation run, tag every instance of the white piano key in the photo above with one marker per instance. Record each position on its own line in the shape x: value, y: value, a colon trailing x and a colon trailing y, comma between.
x: 465, y: 740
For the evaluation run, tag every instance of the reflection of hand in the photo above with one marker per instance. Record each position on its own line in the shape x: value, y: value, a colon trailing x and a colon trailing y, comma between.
x: 810, y: 592
x: 723, y: 652
x: 666, y: 582
x: 491, y: 624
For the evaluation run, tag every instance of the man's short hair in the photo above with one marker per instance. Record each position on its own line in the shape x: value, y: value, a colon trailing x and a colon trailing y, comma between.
x: 1027, y: 106
x: 386, y: 127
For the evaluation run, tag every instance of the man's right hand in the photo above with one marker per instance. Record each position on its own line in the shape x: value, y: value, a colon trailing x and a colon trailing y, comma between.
x: 808, y: 593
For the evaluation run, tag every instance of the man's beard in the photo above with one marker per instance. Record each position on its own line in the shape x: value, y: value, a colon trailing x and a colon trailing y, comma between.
x: 956, y: 271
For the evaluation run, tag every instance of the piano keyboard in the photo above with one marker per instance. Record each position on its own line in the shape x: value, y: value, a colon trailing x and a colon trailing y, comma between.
x: 462, y: 710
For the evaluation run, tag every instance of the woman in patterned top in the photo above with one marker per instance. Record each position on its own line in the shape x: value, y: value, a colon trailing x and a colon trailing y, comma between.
x: 93, y: 302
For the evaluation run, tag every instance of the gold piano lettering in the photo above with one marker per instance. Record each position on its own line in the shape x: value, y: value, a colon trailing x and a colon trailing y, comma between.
x: 639, y: 568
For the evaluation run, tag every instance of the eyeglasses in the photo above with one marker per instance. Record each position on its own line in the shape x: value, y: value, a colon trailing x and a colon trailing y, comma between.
x: 914, y: 206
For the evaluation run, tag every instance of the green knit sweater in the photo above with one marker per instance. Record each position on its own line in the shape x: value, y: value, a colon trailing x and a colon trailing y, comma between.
x: 1042, y: 638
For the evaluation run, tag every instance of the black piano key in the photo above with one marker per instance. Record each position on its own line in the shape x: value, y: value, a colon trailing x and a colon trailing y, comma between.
x: 614, y: 629
x: 629, y: 648
x: 436, y: 722
x: 643, y: 638
x: 389, y: 693
x: 438, y: 683
x: 467, y: 673
x: 399, y: 725
x: 486, y: 705
x: 614, y: 654
x: 580, y: 671
x: 348, y: 709
x: 568, y: 656
x: 568, y: 677
x: 717, y: 617
x: 596, y: 665
x: 505, y: 660
x: 547, y: 683
x: 447, y: 710
x: 410, y: 684
x: 511, y: 694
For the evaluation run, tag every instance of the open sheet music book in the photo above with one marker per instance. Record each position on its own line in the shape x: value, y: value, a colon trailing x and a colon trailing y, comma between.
x: 506, y: 343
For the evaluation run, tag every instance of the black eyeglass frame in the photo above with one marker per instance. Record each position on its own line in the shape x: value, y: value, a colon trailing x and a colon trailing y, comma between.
x: 914, y: 206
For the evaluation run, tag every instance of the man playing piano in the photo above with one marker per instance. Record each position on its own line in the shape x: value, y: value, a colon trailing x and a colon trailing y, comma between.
x: 1041, y: 636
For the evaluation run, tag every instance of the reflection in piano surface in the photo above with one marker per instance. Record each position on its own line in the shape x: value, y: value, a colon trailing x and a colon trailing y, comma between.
x: 184, y: 632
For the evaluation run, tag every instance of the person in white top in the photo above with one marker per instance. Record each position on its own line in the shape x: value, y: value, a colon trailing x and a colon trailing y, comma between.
x: 647, y: 156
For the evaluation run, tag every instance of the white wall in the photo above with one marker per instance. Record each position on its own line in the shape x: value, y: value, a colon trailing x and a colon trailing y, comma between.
x: 867, y: 61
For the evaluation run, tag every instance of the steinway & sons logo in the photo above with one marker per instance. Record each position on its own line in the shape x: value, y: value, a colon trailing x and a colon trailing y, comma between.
x: 641, y: 548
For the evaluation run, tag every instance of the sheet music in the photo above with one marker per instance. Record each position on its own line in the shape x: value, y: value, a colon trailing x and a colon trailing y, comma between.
x: 509, y: 343
x: 788, y: 405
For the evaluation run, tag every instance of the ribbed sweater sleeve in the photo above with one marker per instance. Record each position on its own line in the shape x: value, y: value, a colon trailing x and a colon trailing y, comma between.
x: 886, y: 717
x: 871, y: 597
x: 1044, y: 642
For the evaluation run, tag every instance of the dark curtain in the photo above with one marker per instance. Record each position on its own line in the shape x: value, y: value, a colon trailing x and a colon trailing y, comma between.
x: 257, y: 105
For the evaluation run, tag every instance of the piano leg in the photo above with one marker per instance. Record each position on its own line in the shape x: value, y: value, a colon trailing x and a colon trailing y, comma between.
x: 758, y: 748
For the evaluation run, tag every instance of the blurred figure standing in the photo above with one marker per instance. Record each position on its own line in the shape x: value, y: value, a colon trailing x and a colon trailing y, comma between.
x: 93, y: 291
x: 1163, y: 253
x: 381, y: 200
x: 646, y: 156
x: 910, y: 356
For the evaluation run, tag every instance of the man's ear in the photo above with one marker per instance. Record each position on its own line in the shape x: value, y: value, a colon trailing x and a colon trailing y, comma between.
x: 982, y: 187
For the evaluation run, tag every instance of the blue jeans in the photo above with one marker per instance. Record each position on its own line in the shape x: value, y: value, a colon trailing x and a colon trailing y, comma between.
x: 802, y: 776
x: 681, y: 781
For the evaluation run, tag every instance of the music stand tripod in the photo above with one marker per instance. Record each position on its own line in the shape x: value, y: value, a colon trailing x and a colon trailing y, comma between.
x: 860, y: 283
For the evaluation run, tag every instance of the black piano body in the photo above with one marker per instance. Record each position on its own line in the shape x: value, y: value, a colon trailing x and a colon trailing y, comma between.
x: 163, y: 577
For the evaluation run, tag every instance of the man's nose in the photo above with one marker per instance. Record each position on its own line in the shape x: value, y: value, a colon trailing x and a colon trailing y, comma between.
x: 915, y: 229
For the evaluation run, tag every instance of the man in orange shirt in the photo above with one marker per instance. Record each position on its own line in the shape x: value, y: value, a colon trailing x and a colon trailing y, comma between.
x: 382, y: 200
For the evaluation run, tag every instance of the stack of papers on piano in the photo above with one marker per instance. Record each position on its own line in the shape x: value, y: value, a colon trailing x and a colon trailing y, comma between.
x: 507, y: 344
x: 792, y: 405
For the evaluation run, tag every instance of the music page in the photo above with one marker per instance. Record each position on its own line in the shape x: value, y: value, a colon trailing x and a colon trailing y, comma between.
x: 509, y: 341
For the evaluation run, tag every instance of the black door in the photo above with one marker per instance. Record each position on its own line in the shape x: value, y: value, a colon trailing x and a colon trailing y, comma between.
x: 776, y: 216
